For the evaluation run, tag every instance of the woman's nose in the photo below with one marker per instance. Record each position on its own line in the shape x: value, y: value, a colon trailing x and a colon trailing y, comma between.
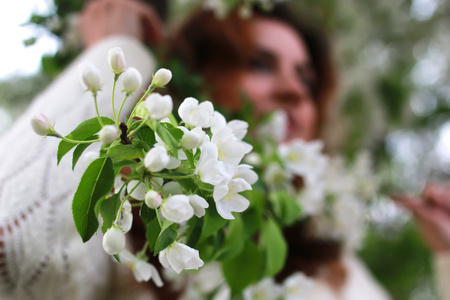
x: 289, y: 90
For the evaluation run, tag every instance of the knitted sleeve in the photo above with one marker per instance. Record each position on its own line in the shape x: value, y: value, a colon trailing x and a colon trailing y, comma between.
x: 41, y: 254
x: 442, y: 273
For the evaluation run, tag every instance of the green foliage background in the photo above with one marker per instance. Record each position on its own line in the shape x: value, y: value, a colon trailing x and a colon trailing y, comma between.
x: 393, y: 67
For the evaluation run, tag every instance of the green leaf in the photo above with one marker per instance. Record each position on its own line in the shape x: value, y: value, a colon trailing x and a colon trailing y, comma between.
x: 274, y: 247
x: 195, y: 228
x: 152, y: 233
x: 234, y: 240
x: 171, y: 136
x: 83, y: 131
x: 97, y: 181
x: 79, y: 150
x: 146, y: 134
x: 108, y: 210
x: 147, y: 214
x: 213, y: 222
x: 130, y: 151
x: 165, y: 239
x: 243, y: 269
x: 286, y: 208
x: 190, y: 156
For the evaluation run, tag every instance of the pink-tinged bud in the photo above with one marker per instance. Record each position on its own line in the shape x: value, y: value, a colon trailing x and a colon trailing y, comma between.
x: 131, y: 80
x: 42, y: 125
x: 162, y: 77
x: 153, y: 199
x: 116, y: 60
x: 90, y: 78
x: 114, y: 241
x: 108, y: 134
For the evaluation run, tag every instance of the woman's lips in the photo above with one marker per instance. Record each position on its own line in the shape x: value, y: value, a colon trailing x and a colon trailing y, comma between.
x: 292, y: 126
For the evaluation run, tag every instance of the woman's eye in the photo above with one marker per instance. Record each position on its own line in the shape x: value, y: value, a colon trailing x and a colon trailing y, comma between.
x: 259, y: 64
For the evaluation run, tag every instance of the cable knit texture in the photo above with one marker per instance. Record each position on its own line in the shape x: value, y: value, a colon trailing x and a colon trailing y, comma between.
x: 41, y: 254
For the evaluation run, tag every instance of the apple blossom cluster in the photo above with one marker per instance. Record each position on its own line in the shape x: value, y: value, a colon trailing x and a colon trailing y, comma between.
x: 209, y: 283
x: 333, y: 194
x: 182, y: 176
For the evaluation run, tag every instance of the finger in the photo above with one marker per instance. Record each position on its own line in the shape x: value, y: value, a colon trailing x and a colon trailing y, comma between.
x: 438, y: 194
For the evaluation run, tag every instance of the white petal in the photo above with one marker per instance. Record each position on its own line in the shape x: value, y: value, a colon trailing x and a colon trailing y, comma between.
x: 139, y: 192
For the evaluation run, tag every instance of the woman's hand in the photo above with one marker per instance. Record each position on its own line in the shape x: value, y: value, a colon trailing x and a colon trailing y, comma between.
x: 432, y: 212
x: 103, y: 18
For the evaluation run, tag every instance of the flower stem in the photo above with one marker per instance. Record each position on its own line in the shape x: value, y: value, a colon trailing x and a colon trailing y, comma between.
x: 137, y: 128
x: 126, y: 198
x: 120, y: 110
x: 168, y: 176
x: 112, y: 101
x: 96, y: 109
x: 78, y: 142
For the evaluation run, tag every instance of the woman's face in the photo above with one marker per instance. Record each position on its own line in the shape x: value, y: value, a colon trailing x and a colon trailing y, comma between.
x: 279, y: 75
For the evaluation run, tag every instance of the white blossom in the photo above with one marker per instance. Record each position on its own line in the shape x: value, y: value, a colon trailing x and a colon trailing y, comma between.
x: 304, y: 159
x: 180, y: 257
x: 157, y: 158
x: 114, y: 240
x: 131, y: 80
x: 126, y: 217
x: 177, y: 209
x: 276, y: 128
x: 266, y: 289
x: 277, y: 178
x: 230, y: 149
x: 253, y: 159
x: 245, y: 172
x: 194, y: 114
x: 142, y: 270
x: 116, y: 60
x: 159, y: 106
x: 162, y: 77
x: 42, y: 125
x: 90, y: 78
x: 211, y: 170
x: 297, y: 286
x: 153, y: 199
x: 228, y: 200
x: 108, y: 134
x: 198, y: 204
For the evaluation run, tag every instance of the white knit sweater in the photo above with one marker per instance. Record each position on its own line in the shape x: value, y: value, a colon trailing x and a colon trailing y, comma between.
x: 41, y: 254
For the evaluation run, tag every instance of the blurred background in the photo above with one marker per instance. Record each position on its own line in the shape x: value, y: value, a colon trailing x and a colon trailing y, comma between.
x: 394, y: 101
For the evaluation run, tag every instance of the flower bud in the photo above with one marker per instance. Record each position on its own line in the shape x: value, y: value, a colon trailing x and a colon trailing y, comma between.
x: 177, y: 209
x: 42, y: 125
x: 159, y: 106
x: 193, y: 139
x: 162, y: 77
x: 153, y: 199
x: 90, y: 78
x: 131, y: 80
x: 157, y: 158
x: 116, y: 60
x: 114, y: 241
x: 108, y: 134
